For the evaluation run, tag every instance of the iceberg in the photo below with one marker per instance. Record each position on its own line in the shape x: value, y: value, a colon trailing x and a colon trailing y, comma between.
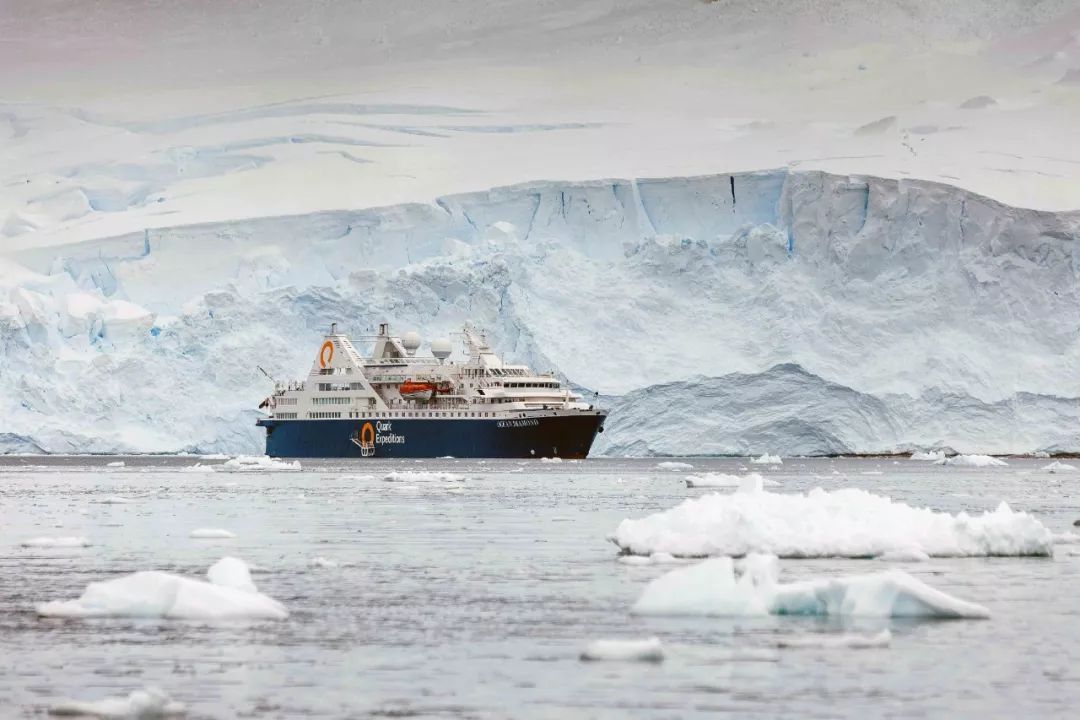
x: 723, y: 480
x: 229, y: 595
x: 545, y: 266
x: 257, y: 463
x: 56, y: 542
x: 1058, y: 467
x: 145, y: 704
x: 410, y: 476
x: 723, y: 587
x: 979, y: 461
x: 211, y: 534
x: 821, y: 640
x: 672, y: 465
x: 843, y: 523
x: 650, y: 650
x: 767, y: 459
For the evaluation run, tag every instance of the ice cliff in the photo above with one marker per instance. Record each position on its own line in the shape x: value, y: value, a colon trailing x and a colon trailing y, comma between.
x: 797, y: 312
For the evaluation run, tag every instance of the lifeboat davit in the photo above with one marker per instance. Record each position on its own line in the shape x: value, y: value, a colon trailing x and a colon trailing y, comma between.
x: 421, y: 391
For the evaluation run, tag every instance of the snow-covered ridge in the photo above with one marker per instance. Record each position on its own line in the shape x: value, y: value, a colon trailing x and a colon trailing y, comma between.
x: 897, y: 304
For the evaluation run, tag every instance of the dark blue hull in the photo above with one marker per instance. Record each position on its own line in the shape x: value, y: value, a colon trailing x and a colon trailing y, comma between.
x: 567, y: 436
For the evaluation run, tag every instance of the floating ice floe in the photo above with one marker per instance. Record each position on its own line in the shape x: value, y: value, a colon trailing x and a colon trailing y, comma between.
x: 767, y: 459
x: 824, y: 640
x: 258, y: 463
x: 150, y: 702
x: 551, y: 459
x: 115, y: 500
x: 321, y: 562
x: 972, y: 461
x: 654, y: 559
x: 1058, y: 467
x: 750, y: 587
x: 721, y: 480
x: 56, y: 542
x: 422, y: 476
x: 229, y: 595
x: 650, y: 650
x: 671, y: 465
x: 211, y: 534
x: 198, y: 468
x: 844, y: 523
x: 115, y: 463
x: 904, y: 555
x: 230, y: 572
x: 933, y: 455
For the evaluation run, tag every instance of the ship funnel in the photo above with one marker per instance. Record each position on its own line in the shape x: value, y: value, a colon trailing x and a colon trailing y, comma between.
x: 411, y: 342
x: 441, y: 349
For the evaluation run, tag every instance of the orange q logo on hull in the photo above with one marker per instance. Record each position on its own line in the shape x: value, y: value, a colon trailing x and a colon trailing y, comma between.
x: 326, y: 354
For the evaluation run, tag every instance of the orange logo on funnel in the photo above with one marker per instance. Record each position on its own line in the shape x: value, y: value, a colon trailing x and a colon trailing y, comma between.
x: 326, y: 353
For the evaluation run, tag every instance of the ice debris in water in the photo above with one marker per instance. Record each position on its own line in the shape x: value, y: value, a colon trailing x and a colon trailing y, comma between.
x: 904, y: 555
x: 628, y: 650
x: 115, y: 500
x: 150, y: 702
x: 422, y: 476
x: 972, y: 461
x: 211, y: 534
x: 767, y: 459
x: 115, y: 463
x: 56, y: 542
x: 321, y: 562
x: 932, y: 455
x: 719, y: 480
x: 844, y: 523
x: 262, y: 463
x: 654, y: 559
x: 230, y: 594
x: 551, y: 459
x: 198, y: 468
x: 1057, y: 466
x: 671, y: 465
x: 824, y: 640
x: 750, y: 587
x: 233, y: 573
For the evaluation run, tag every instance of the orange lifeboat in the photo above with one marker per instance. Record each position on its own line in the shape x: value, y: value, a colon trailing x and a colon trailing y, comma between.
x: 421, y: 391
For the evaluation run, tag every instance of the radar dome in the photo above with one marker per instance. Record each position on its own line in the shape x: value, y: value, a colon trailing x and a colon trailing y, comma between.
x: 411, y: 342
x: 441, y: 348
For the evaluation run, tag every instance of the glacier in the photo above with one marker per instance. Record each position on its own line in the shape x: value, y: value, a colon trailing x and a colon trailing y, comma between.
x: 785, y: 311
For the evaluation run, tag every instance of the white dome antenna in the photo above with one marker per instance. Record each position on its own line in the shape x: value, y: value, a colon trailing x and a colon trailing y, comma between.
x: 411, y: 342
x: 441, y: 349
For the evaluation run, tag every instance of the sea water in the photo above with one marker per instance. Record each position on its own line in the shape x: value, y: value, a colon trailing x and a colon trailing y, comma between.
x: 467, y: 588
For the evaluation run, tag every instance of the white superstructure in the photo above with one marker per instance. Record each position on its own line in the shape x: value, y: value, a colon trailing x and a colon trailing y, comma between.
x: 394, y: 382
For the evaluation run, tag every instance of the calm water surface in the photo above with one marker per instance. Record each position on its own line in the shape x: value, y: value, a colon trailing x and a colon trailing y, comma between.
x: 473, y: 600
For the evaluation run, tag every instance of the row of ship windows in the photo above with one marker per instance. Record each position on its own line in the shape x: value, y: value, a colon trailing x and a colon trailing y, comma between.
x: 335, y: 415
x: 330, y: 387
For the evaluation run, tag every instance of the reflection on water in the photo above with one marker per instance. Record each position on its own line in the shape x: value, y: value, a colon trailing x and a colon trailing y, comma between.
x: 437, y: 597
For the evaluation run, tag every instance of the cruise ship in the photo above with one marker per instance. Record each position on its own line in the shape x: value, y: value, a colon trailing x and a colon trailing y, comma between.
x: 396, y: 404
